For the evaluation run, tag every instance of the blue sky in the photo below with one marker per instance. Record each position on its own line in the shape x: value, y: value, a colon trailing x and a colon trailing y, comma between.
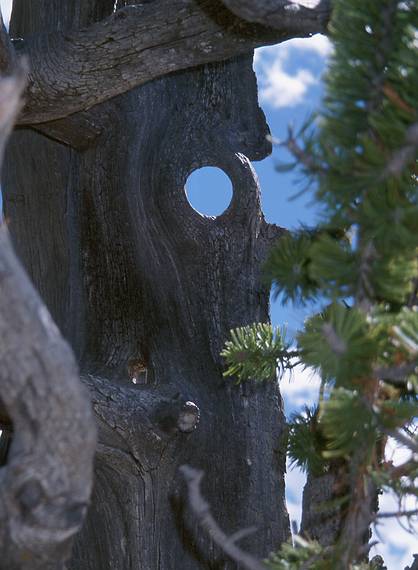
x: 290, y: 88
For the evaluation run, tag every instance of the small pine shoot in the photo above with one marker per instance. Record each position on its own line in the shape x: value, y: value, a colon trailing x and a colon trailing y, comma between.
x: 257, y: 352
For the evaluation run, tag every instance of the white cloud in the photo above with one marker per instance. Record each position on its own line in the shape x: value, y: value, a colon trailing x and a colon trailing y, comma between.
x: 6, y: 8
x: 295, y: 482
x: 396, y: 544
x: 317, y: 44
x: 299, y: 388
x: 279, y: 87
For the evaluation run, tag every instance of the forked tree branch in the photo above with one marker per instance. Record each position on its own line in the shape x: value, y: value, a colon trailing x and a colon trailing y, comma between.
x: 46, y: 483
x: 201, y: 510
x: 75, y: 70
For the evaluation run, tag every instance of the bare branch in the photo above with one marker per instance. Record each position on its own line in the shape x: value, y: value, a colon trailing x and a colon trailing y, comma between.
x: 75, y: 70
x: 201, y: 510
x: 395, y: 374
x: 279, y: 13
x: 304, y: 158
x: 397, y: 514
x: 403, y: 439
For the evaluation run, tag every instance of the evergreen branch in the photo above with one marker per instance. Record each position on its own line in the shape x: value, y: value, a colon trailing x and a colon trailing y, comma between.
x: 256, y: 352
x: 201, y: 510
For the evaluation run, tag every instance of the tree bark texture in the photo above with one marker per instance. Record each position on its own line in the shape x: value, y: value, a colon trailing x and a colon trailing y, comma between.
x: 136, y: 279
x: 46, y: 479
x: 309, y: 17
x: 72, y: 70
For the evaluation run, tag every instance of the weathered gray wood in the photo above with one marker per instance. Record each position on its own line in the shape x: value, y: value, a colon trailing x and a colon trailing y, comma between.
x: 321, y: 518
x: 46, y: 484
x: 133, y: 274
x: 289, y: 14
x: 46, y: 480
x: 76, y: 69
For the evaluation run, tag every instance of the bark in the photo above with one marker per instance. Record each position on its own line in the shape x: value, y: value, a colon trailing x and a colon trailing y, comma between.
x: 73, y: 70
x: 136, y: 279
x: 321, y: 516
x: 46, y: 481
x: 284, y: 14
x: 46, y: 484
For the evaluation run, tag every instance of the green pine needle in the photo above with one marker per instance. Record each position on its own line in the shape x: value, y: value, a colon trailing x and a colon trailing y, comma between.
x: 257, y: 352
x: 338, y: 344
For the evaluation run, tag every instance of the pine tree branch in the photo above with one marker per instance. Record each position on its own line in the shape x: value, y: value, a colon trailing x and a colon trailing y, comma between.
x: 201, y: 510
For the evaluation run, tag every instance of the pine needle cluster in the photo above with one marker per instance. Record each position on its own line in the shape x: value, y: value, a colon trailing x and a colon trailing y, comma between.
x: 360, y: 153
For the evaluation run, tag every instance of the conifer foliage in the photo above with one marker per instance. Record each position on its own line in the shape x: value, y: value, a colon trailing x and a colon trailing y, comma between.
x: 360, y: 155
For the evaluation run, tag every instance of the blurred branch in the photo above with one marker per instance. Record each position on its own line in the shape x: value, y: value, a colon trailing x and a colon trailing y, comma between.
x: 403, y: 439
x: 201, y: 510
x: 395, y: 374
x: 400, y: 159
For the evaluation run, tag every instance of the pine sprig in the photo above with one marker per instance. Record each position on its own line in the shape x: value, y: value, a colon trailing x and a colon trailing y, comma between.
x: 338, y: 343
x: 257, y: 352
x: 305, y: 442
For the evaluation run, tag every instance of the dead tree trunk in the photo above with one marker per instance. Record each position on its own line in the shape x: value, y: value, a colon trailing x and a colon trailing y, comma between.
x: 135, y: 277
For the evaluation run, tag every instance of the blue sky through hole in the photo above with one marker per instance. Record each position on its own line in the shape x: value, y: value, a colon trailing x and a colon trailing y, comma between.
x: 290, y: 88
x: 209, y: 202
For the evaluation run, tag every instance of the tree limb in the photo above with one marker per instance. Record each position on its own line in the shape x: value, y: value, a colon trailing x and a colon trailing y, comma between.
x: 72, y: 71
x: 201, y: 510
x: 396, y: 374
x: 284, y: 13
x: 409, y: 442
